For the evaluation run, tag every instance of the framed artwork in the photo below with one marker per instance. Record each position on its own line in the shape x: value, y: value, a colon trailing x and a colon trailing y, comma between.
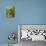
x: 32, y: 32
x: 10, y: 11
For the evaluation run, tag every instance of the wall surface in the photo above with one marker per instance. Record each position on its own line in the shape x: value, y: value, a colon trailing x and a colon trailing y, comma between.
x: 7, y: 25
x: 31, y: 11
x: 27, y: 12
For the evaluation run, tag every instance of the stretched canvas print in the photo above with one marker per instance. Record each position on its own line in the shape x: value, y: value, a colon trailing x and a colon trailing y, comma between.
x: 10, y: 11
x: 28, y: 33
